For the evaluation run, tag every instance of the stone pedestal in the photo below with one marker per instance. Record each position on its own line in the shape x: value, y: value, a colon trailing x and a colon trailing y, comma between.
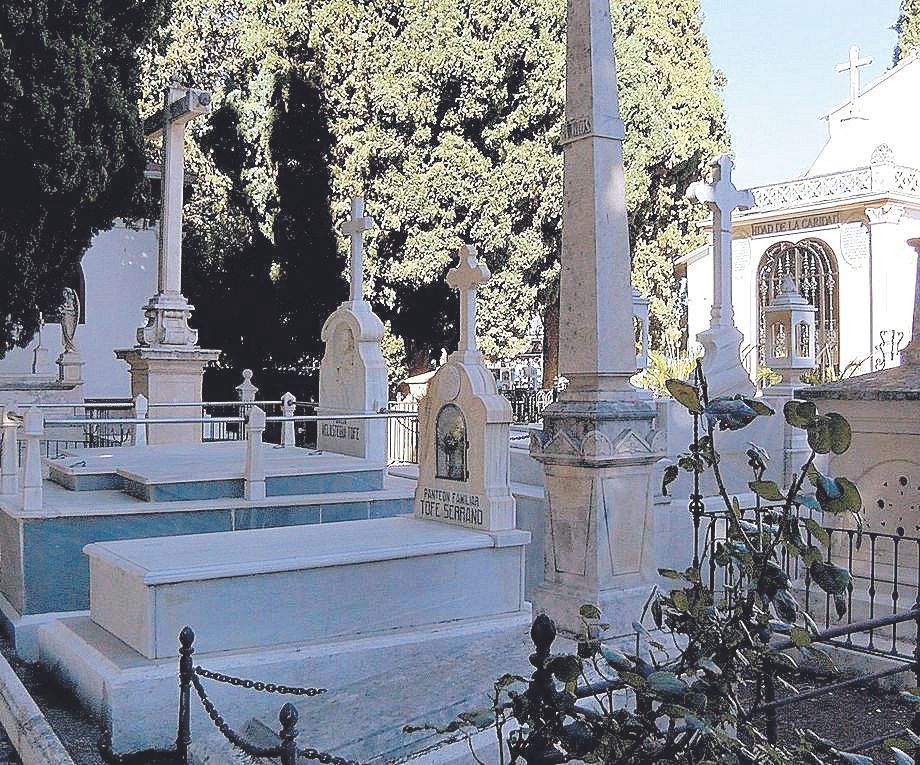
x: 353, y: 380
x: 165, y: 375
x: 599, y: 461
x: 70, y: 366
x: 725, y: 374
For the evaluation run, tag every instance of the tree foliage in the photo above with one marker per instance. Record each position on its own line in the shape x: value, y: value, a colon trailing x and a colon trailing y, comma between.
x: 908, y: 29
x: 445, y: 114
x: 70, y: 142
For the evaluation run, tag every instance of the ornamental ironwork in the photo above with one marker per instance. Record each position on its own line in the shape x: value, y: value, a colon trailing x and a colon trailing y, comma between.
x: 813, y: 268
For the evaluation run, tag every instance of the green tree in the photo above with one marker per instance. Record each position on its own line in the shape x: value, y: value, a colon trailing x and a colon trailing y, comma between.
x: 445, y: 114
x: 70, y: 142
x: 908, y: 29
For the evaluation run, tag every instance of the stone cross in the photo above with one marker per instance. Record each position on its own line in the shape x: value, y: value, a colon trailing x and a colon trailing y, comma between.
x: 180, y: 106
x: 466, y: 277
x: 721, y: 197
x: 852, y: 66
x: 355, y: 228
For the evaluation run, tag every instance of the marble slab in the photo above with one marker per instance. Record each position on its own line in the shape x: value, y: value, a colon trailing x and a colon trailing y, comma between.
x: 316, y: 583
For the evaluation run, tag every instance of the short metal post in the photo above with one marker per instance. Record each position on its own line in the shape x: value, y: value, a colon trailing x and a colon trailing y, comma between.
x: 769, y: 696
x: 184, y: 734
x: 141, y: 407
x: 9, y: 456
x: 288, y: 718
x: 254, y: 475
x: 542, y: 692
x: 915, y: 721
x: 33, y: 427
x: 288, y: 434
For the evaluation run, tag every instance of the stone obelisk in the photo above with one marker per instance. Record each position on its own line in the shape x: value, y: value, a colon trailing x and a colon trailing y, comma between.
x: 598, y: 445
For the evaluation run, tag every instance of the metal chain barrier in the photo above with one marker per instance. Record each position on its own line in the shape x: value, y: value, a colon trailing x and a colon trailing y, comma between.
x: 257, y: 685
x: 325, y: 758
x: 189, y: 677
x: 238, y: 741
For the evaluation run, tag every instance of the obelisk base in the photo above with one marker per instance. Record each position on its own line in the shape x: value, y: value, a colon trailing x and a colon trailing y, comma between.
x: 169, y: 375
x: 599, y: 461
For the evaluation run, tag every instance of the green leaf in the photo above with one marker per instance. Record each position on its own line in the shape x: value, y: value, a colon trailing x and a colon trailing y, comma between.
x: 566, y: 669
x: 799, y: 414
x: 786, y: 607
x: 667, y: 684
x: 685, y: 394
x: 709, y: 666
x: 830, y: 578
x: 670, y: 573
x: 680, y: 600
x: 901, y: 758
x: 800, y: 637
x: 817, y: 531
x: 840, y: 604
x: 818, y: 656
x: 657, y: 615
x: 759, y: 407
x: 854, y: 759
x: 768, y: 490
x: 840, y: 432
x: 616, y: 659
x: 819, y: 435
x: 589, y: 611
x: 670, y: 475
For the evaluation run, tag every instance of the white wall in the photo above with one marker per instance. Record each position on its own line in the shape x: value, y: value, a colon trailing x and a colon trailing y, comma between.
x: 120, y: 272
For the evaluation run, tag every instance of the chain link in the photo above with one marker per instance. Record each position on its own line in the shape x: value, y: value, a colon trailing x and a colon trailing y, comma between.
x: 238, y: 741
x: 257, y: 685
x: 325, y: 758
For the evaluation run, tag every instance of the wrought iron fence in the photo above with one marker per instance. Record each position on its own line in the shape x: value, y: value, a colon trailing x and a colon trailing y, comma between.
x: 550, y: 725
x: 527, y: 404
x: 402, y: 434
x: 287, y: 751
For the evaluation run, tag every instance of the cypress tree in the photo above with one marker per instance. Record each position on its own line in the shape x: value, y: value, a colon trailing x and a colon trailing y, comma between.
x: 71, y: 147
x: 908, y: 28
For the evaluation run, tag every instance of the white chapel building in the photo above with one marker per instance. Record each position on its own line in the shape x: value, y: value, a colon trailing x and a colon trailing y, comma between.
x: 840, y: 232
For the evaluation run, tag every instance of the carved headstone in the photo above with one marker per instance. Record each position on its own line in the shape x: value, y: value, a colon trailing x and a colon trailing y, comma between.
x: 352, y: 374
x: 464, y: 427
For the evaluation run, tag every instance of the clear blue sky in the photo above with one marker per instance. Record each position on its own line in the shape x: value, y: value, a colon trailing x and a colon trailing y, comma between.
x: 780, y: 58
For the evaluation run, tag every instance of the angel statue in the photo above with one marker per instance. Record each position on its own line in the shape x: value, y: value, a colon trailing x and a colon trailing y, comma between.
x: 70, y: 315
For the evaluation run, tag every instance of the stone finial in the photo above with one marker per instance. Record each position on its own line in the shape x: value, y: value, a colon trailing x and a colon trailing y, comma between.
x: 355, y: 228
x: 910, y: 356
x: 9, y: 455
x: 254, y: 470
x: 466, y: 277
x: 33, y: 428
x: 288, y: 407
x: 246, y: 391
x: 141, y: 407
x: 721, y: 197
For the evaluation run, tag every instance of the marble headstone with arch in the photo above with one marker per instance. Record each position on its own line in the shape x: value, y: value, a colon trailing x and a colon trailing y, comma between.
x: 353, y: 374
x: 464, y: 427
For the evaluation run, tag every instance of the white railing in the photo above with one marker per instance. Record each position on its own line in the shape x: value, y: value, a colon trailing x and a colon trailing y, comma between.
x: 837, y: 185
x: 23, y: 476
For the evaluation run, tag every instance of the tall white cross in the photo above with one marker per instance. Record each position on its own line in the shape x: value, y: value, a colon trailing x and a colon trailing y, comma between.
x: 721, y: 197
x: 852, y: 66
x: 466, y: 277
x: 180, y: 106
x: 355, y: 228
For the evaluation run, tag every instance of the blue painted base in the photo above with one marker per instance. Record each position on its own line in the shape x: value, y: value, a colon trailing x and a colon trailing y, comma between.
x: 44, y: 568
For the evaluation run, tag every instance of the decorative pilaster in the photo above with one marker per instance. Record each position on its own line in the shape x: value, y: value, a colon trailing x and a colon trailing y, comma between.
x: 254, y: 474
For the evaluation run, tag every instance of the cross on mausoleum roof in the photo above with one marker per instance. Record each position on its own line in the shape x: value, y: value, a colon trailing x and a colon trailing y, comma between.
x: 355, y: 228
x: 466, y: 277
x: 852, y: 66
x: 721, y: 197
